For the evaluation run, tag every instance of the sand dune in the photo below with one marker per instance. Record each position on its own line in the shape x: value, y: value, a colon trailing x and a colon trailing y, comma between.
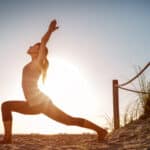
x: 52, y: 142
x: 135, y: 136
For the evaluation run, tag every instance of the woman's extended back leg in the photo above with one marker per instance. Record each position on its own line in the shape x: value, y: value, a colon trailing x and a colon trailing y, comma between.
x: 58, y: 115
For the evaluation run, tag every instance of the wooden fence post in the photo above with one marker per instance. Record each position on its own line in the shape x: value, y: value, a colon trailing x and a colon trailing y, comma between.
x: 116, y: 105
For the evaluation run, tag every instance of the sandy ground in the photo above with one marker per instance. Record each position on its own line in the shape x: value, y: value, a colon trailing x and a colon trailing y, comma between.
x: 54, y: 142
x: 134, y: 136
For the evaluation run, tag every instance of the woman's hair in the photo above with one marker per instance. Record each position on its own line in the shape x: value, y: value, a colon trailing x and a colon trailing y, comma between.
x: 44, y: 64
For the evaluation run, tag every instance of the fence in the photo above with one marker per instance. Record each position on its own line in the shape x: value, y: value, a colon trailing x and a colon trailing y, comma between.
x: 116, y: 87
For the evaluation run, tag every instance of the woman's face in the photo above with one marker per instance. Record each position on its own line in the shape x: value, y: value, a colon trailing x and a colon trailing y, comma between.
x: 33, y: 50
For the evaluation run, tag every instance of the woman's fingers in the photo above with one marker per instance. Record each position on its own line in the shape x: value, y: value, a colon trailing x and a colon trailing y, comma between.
x: 53, y: 26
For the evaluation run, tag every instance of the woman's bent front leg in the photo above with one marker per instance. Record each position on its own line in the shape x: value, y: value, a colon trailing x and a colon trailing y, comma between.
x: 17, y: 106
x: 7, y: 108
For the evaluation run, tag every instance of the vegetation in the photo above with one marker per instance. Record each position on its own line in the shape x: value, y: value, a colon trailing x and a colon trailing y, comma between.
x: 140, y: 109
x: 144, y: 99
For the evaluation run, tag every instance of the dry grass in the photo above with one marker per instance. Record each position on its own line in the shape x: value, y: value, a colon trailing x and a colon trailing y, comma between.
x: 141, y: 107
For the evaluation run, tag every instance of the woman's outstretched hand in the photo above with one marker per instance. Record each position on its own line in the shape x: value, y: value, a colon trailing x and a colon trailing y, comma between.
x: 53, y: 26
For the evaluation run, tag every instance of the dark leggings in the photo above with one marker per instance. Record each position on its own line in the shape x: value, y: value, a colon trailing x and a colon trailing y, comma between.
x: 49, y: 110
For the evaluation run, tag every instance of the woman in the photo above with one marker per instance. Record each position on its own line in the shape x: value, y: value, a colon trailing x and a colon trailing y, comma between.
x: 36, y: 102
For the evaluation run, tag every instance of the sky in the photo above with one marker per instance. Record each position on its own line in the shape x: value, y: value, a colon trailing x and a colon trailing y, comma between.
x: 97, y: 41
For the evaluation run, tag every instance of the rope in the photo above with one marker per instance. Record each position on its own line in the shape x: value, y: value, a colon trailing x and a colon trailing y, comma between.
x: 130, y: 90
x: 119, y: 86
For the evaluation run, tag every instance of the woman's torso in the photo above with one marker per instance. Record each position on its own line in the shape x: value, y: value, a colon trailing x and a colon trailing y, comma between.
x: 30, y: 76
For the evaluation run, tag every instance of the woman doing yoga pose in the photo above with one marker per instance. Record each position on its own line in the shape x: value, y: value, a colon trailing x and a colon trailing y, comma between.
x: 36, y: 101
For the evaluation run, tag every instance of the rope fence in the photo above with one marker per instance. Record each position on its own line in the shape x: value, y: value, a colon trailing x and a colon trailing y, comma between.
x: 135, y: 91
x: 116, y: 88
x: 136, y: 75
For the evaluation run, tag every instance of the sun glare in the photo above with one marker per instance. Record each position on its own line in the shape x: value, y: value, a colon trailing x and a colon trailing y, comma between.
x: 70, y: 90
x: 67, y: 88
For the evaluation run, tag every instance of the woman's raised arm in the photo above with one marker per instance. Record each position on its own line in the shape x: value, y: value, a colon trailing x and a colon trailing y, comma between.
x: 45, y: 38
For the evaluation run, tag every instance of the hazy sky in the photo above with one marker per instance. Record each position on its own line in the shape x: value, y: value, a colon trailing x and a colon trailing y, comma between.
x: 101, y: 40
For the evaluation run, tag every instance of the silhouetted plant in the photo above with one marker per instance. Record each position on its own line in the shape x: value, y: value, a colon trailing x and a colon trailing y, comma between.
x: 110, y: 123
x: 144, y: 98
x: 141, y: 107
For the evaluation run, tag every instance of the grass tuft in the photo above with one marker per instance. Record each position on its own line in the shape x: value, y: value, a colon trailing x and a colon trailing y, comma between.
x: 140, y: 109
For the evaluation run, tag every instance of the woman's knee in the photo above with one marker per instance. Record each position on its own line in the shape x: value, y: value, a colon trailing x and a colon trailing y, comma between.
x: 75, y: 121
x: 6, y: 113
x: 5, y: 106
x: 80, y: 121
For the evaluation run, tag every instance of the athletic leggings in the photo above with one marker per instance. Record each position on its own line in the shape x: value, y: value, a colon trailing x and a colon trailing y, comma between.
x: 49, y: 110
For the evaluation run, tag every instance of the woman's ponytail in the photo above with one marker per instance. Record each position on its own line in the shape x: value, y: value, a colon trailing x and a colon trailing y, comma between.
x: 44, y: 65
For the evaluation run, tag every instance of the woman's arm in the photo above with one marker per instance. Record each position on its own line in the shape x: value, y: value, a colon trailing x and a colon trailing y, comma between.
x: 45, y: 38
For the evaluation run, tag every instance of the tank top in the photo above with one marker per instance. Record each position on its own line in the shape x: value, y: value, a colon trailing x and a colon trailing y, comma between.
x: 30, y: 76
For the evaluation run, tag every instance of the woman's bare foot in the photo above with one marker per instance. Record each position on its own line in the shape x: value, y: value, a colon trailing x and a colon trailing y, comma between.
x: 4, y: 141
x: 102, y: 134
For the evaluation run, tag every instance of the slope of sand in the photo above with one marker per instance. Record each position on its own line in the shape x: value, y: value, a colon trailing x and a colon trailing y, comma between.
x: 135, y: 136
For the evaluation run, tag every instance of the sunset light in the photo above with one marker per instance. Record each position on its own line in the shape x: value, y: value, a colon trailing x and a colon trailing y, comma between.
x: 96, y: 42
x: 68, y: 88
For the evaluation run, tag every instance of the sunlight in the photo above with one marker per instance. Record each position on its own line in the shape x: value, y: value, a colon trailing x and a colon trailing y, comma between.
x: 68, y: 89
